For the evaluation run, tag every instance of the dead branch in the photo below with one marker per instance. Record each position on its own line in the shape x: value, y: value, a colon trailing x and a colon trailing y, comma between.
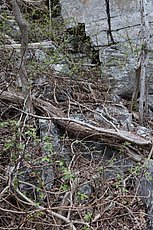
x: 41, y: 208
x: 76, y: 127
x: 34, y: 45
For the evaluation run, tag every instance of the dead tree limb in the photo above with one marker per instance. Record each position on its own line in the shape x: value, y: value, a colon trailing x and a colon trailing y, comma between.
x: 141, y: 79
x: 23, y: 77
x: 76, y: 127
x: 36, y: 45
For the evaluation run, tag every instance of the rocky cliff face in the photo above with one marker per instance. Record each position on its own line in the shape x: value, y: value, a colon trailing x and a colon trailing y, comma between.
x: 125, y: 18
x: 114, y: 30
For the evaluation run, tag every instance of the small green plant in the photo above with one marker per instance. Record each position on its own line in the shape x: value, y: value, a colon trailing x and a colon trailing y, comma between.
x: 31, y: 132
x: 41, y: 194
x: 20, y: 146
x: 101, y: 170
x: 82, y: 196
x: 48, y: 147
x: 64, y: 187
x: 66, y: 173
x: 8, y: 145
x: 88, y: 216
x: 148, y: 176
x: 66, y: 176
x: 136, y: 170
x: 85, y: 228
x: 47, y: 158
x: 119, y: 181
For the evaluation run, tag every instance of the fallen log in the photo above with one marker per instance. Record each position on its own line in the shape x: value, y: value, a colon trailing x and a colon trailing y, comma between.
x: 74, y: 126
x: 93, y: 130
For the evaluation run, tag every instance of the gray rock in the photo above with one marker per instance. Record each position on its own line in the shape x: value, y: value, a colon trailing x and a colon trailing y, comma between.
x: 40, y: 55
x: 34, y: 178
x: 11, y: 28
x: 118, y: 70
x: 145, y: 189
x: 49, y: 136
x: 41, y: 171
x: 61, y: 68
x: 118, y: 61
x: 144, y: 132
x: 2, y: 77
x: 113, y: 173
x: 40, y: 80
x: 115, y: 98
x: 85, y: 191
x: 150, y: 101
x: 116, y: 114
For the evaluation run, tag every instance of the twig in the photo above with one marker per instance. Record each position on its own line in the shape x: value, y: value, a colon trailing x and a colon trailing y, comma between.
x: 41, y: 208
x: 150, y: 154
x: 4, y: 191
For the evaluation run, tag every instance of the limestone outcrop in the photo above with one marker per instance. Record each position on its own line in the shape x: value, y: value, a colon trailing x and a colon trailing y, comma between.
x: 115, y: 33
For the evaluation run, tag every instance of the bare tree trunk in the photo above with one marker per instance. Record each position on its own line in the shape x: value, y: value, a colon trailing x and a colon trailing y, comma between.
x: 23, y: 77
x: 140, y: 78
x: 144, y: 59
